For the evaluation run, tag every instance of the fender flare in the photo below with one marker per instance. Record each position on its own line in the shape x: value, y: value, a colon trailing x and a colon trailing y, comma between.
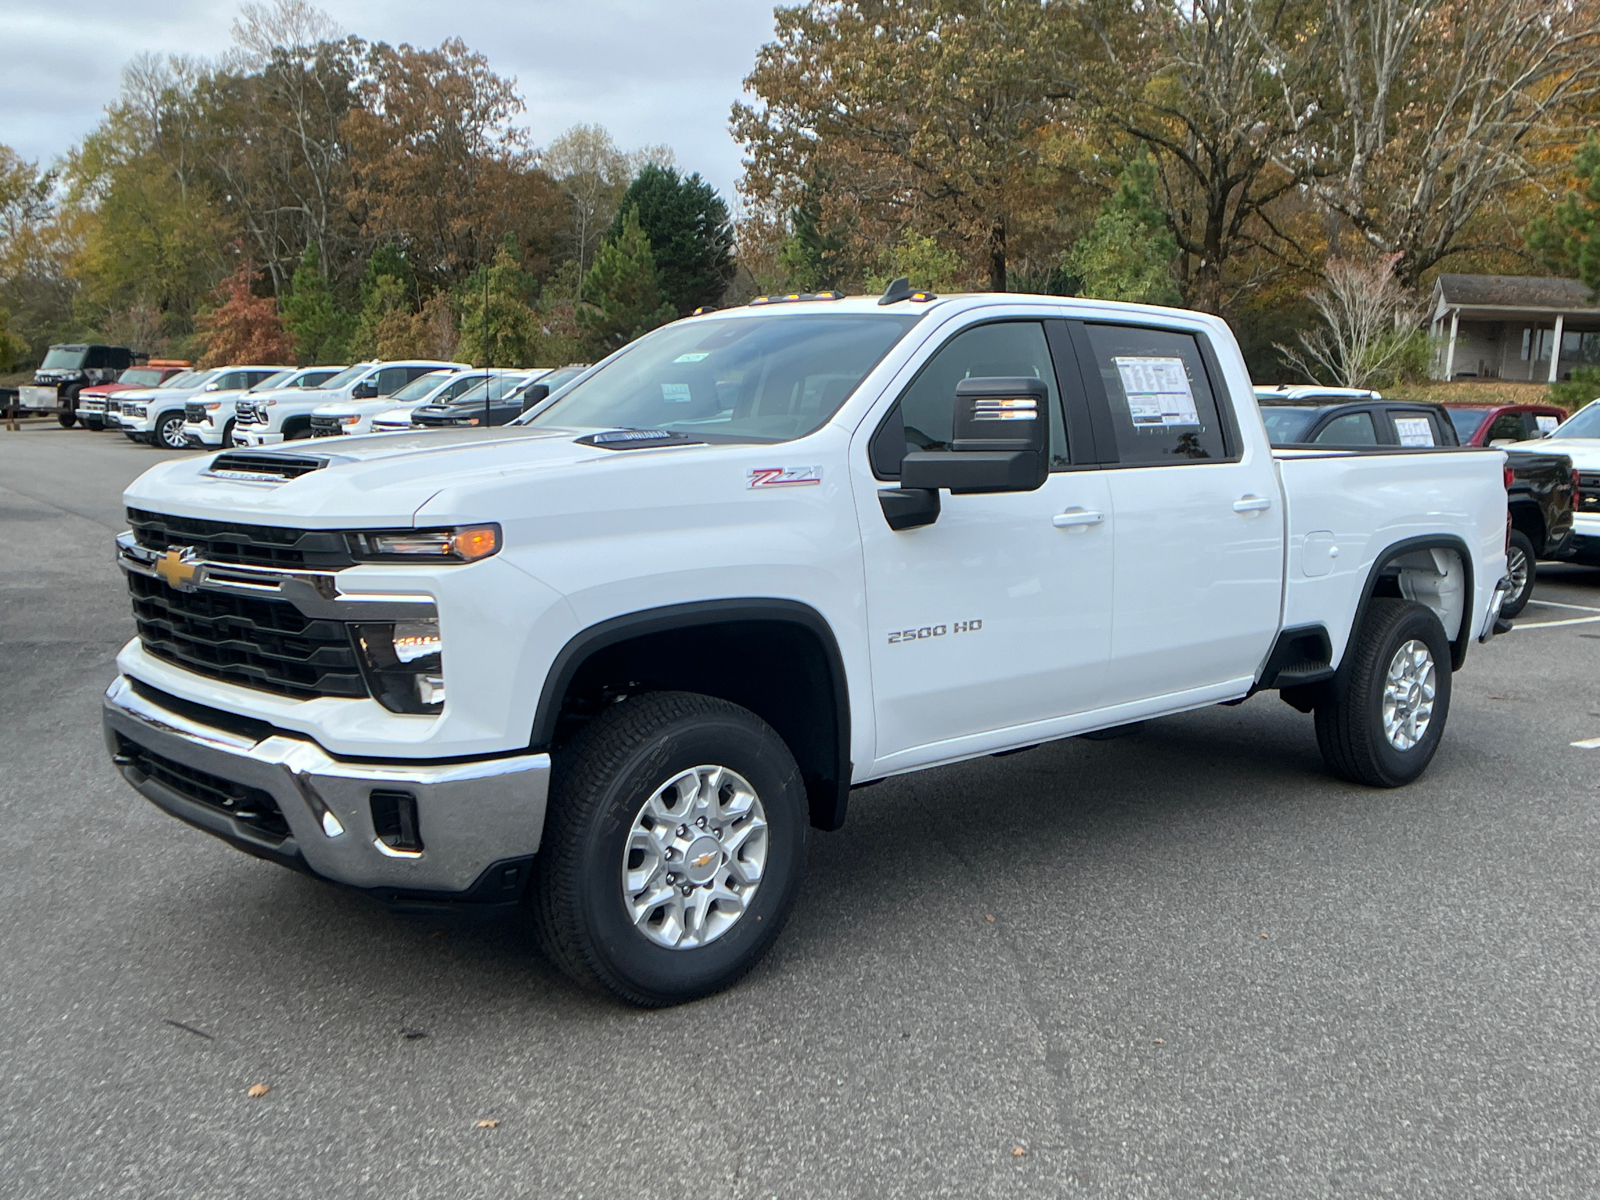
x: 1461, y: 639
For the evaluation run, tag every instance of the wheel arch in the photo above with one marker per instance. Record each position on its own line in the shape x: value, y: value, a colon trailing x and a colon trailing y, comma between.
x: 778, y: 658
x: 1377, y: 585
x: 1528, y: 517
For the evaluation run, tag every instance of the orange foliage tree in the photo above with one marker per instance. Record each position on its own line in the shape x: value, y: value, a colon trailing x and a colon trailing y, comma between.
x: 243, y: 328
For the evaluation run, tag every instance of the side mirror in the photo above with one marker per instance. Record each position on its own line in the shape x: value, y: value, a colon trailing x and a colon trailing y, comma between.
x: 211, y: 387
x: 367, y: 389
x: 534, y: 394
x: 1000, y: 443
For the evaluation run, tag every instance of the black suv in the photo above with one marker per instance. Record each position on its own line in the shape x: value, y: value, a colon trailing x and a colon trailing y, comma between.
x: 1539, y: 487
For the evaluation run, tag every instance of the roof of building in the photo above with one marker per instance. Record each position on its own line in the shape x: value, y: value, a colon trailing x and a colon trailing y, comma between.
x: 1514, y: 291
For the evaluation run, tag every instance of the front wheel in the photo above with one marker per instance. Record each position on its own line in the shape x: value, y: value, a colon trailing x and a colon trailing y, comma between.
x: 673, y: 849
x: 169, y: 433
x: 227, y: 436
x: 1383, y: 722
x: 1522, y: 567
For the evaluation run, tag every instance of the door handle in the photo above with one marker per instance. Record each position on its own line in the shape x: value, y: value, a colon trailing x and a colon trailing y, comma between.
x: 1075, y: 517
x: 1251, y: 504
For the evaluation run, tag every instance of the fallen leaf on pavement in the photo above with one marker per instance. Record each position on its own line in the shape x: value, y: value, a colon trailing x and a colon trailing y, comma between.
x: 1017, y: 1152
x: 1263, y: 937
x: 487, y: 1123
x: 258, y: 1090
x: 1158, y: 1041
x: 989, y: 917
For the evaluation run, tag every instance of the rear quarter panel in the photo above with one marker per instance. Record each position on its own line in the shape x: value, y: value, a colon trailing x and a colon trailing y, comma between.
x: 1370, y: 503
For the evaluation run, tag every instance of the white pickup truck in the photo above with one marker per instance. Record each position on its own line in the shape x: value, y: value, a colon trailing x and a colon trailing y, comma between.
x: 614, y: 660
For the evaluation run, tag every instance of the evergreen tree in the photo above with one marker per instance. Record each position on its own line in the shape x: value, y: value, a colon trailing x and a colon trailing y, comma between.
x: 1128, y: 252
x: 319, y: 327
x: 690, y: 235
x: 1569, y: 240
x: 623, y: 296
x: 385, y: 302
x: 510, y: 337
x: 813, y: 259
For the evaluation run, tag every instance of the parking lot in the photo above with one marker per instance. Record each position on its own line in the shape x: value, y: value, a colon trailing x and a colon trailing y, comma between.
x: 1182, y: 963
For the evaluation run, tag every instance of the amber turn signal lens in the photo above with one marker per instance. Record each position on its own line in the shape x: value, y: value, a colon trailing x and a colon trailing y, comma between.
x: 475, y: 542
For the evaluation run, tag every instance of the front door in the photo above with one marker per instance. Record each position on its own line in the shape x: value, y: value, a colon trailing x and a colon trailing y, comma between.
x: 998, y: 614
x: 1199, y: 522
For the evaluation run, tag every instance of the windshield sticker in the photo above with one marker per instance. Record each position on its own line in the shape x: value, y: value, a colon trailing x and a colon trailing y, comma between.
x: 1158, y: 392
x: 770, y: 477
x: 675, y: 393
x: 695, y: 357
x: 1414, y: 431
x: 1546, y: 424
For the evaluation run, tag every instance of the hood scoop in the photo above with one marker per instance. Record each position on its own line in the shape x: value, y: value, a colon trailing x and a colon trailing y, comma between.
x: 637, y: 439
x: 264, y: 468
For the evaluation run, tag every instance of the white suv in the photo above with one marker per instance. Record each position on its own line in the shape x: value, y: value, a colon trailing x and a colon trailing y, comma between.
x: 286, y: 415
x: 157, y: 416
x: 355, y: 417
x: 208, y: 417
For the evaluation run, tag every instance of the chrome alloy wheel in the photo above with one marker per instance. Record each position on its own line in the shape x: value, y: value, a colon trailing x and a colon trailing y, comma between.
x: 694, y: 857
x: 1517, y: 568
x: 1408, y: 691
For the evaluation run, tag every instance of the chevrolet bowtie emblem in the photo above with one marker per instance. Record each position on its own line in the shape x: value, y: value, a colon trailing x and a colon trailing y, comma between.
x: 178, y: 568
x: 702, y: 860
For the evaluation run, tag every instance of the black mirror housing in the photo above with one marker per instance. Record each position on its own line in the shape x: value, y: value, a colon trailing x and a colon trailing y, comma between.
x: 535, y: 393
x: 1000, y: 440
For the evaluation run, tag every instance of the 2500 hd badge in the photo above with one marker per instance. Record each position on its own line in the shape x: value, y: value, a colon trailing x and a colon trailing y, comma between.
x: 901, y: 636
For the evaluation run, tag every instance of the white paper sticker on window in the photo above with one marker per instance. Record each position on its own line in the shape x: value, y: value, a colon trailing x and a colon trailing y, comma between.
x: 1414, y: 431
x: 694, y: 357
x: 1158, y: 391
x: 675, y: 393
x: 1546, y: 424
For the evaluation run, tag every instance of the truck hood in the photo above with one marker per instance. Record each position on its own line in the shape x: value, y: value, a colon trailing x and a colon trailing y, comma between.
x: 370, y: 481
x: 1584, y: 452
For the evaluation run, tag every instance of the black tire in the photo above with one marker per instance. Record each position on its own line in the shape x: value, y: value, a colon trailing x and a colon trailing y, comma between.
x: 227, y: 434
x: 92, y: 424
x: 1350, y: 724
x: 601, y: 781
x: 68, y: 416
x: 1521, y: 547
x: 167, y: 434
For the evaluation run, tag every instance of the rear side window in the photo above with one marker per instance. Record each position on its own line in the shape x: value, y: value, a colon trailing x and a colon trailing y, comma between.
x: 1351, y: 429
x: 926, y: 411
x: 1415, y: 429
x: 1511, y: 427
x: 1162, y: 406
x: 392, y: 379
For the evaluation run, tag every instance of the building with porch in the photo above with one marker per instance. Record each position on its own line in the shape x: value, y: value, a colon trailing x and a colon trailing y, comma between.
x: 1513, y: 327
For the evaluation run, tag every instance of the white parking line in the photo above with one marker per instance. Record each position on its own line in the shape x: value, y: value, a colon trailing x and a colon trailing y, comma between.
x: 1588, y: 744
x: 1558, y: 604
x: 1553, y: 624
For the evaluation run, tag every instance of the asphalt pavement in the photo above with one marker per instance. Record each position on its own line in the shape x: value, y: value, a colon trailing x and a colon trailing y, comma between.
x: 1183, y: 963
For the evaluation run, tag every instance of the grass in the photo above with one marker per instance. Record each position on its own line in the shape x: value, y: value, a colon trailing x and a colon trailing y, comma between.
x: 1473, y: 391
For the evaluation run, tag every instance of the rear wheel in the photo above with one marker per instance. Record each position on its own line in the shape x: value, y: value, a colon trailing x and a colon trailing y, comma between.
x: 68, y: 416
x: 1382, y: 723
x: 673, y: 848
x: 168, y: 434
x: 1522, y: 568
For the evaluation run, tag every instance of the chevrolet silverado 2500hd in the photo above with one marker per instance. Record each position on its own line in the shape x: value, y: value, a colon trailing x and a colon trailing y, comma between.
x: 614, y: 660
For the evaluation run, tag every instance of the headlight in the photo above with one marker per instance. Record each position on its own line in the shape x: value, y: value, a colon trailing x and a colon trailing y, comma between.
x: 404, y: 664
x: 466, y: 543
x: 355, y: 420
x: 213, y: 405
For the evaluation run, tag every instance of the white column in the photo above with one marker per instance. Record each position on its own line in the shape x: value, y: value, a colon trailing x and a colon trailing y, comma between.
x: 1555, y: 349
x: 1450, y: 350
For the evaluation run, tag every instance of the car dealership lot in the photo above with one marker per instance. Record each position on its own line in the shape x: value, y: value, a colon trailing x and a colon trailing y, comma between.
x: 1211, y: 969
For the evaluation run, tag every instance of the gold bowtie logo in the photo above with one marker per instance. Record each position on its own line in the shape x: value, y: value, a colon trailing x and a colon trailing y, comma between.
x: 702, y: 860
x: 178, y: 568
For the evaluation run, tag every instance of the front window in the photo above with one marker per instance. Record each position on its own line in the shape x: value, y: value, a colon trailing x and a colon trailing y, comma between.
x: 418, y: 387
x: 739, y: 379
x: 140, y: 377
x: 348, y: 375
x: 1287, y: 426
x: 64, y: 358
x: 1586, y: 424
x: 276, y: 380
x: 181, y: 379
x: 1467, y: 422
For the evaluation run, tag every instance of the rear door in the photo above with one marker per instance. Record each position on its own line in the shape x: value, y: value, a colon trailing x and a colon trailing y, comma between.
x: 1199, y: 525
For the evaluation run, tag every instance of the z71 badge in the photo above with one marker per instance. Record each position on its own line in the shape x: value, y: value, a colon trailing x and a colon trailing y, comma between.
x: 770, y: 477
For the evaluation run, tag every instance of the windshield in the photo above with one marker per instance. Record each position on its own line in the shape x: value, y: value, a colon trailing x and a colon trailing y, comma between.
x: 1585, y: 424
x: 1286, y: 426
x: 492, y: 389
x: 1467, y: 421
x: 348, y: 375
x: 181, y: 379
x: 275, y: 380
x: 748, y: 379
x: 419, y: 387
x: 140, y: 377
x: 64, y: 356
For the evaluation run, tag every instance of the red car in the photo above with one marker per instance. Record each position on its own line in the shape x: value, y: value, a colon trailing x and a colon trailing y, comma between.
x: 92, y: 400
x: 1487, y: 424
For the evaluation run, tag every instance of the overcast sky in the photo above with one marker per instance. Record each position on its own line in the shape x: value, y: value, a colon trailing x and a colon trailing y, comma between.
x: 651, y: 71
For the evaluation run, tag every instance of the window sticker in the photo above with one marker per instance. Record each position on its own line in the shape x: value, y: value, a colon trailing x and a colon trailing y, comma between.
x: 1158, y: 391
x: 694, y: 357
x: 675, y: 393
x: 1546, y: 424
x: 1414, y: 431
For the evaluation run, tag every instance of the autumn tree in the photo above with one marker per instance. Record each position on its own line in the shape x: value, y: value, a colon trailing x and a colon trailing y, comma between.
x: 1568, y: 240
x: 921, y: 114
x: 1369, y: 323
x: 243, y: 327
x: 1128, y: 253
x: 624, y: 299
x: 690, y: 235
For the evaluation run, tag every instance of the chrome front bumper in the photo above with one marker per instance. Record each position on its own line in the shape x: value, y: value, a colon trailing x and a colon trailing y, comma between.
x: 471, y: 816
